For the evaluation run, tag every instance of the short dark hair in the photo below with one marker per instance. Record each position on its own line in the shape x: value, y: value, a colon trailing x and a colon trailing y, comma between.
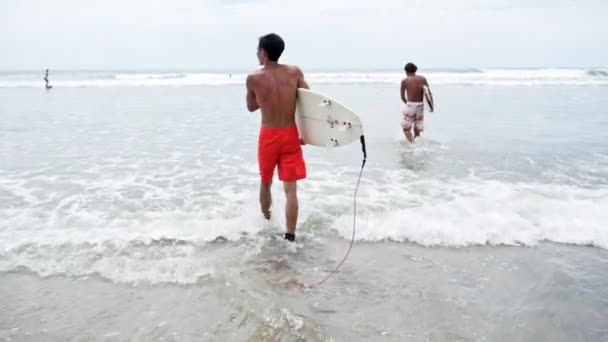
x: 410, y: 68
x: 273, y: 44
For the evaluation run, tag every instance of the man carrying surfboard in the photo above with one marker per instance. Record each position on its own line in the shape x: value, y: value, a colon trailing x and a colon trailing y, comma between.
x: 273, y: 89
x: 414, y: 88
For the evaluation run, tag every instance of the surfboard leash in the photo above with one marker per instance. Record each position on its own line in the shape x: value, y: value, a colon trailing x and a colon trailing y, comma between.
x: 352, y: 240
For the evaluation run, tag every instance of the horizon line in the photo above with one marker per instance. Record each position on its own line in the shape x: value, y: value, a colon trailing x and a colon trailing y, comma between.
x: 311, y: 69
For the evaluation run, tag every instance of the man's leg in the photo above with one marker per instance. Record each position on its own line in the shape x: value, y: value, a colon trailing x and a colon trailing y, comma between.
x: 265, y: 199
x: 407, y: 123
x: 419, y: 123
x: 291, y: 206
x: 408, y: 135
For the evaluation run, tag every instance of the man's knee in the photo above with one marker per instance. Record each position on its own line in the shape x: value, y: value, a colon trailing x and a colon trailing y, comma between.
x: 291, y: 188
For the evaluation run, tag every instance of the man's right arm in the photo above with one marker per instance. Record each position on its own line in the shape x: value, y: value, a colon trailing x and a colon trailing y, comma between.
x: 252, y: 102
x: 403, y: 88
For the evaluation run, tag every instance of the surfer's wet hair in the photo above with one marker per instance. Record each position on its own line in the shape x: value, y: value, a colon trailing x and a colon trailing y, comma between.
x: 273, y: 45
x: 410, y: 68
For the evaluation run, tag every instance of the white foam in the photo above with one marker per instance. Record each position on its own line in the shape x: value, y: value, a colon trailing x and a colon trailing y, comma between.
x: 178, y: 264
x: 149, y: 224
x: 98, y: 221
x: 159, y: 248
x: 165, y: 247
x: 474, y: 211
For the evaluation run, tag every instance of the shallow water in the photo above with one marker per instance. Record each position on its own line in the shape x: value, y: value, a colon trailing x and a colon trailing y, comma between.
x: 387, y: 292
x: 118, y: 201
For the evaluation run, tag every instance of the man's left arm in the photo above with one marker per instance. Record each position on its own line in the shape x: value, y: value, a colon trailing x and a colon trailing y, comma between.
x: 252, y: 102
x: 426, y: 84
x: 301, y: 81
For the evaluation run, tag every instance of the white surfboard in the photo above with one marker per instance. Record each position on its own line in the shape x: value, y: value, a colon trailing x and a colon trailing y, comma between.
x: 428, y: 97
x: 323, y: 121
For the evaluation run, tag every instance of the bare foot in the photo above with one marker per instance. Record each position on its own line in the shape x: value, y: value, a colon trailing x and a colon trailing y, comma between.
x: 265, y: 200
x: 408, y: 135
x: 267, y: 213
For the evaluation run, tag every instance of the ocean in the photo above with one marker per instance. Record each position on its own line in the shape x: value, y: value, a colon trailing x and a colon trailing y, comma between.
x: 129, y: 211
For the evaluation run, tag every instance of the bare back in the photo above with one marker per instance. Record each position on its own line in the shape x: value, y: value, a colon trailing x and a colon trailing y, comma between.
x: 274, y: 89
x: 414, y: 85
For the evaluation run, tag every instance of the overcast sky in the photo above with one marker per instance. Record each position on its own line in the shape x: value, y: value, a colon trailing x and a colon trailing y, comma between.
x: 320, y: 34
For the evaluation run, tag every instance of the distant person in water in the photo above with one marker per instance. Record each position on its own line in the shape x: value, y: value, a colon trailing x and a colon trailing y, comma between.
x: 412, y: 95
x: 46, y: 80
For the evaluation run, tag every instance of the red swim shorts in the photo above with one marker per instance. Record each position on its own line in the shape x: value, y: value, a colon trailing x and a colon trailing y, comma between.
x: 280, y: 146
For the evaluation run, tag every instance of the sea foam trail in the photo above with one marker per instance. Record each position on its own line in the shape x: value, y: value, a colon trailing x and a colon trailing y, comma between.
x: 162, y: 241
x: 480, y: 212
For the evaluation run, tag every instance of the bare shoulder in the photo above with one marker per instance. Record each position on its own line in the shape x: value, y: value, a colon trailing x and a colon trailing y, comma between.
x: 425, y: 82
x: 254, y: 77
x: 255, y: 74
x: 293, y: 69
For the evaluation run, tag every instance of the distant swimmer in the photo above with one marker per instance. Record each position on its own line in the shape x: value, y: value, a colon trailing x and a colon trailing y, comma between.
x: 413, y: 92
x: 46, y: 80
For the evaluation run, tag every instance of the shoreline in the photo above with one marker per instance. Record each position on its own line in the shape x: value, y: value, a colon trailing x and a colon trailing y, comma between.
x: 551, y: 291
